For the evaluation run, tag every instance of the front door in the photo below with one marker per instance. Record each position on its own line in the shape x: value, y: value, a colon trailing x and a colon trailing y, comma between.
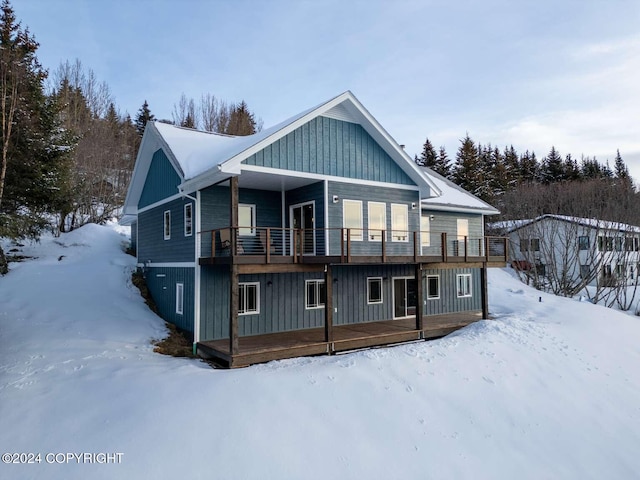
x: 404, y: 297
x: 302, y: 218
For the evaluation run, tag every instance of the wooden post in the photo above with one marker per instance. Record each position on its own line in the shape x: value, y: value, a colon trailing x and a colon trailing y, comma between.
x: 295, y: 246
x: 444, y: 246
x: 506, y: 248
x: 342, y: 245
x: 328, y: 306
x: 466, y: 248
x: 415, y: 247
x: 484, y: 292
x: 233, y: 309
x: 419, y: 298
x: 348, y: 245
x: 213, y: 243
x: 268, y: 245
x: 486, y: 249
x: 233, y: 212
x: 384, y: 246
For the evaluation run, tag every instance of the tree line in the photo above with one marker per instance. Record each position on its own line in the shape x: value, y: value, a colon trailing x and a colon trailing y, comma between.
x: 67, y: 151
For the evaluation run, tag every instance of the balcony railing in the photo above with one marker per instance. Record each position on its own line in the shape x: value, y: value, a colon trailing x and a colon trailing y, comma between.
x: 350, y: 244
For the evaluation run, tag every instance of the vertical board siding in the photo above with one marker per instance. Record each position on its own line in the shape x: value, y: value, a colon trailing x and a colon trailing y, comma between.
x: 151, y: 243
x: 447, y: 222
x: 366, y: 193
x: 162, y: 285
x: 309, y: 193
x: 332, y: 147
x: 214, y: 302
x: 162, y: 180
x: 449, y: 301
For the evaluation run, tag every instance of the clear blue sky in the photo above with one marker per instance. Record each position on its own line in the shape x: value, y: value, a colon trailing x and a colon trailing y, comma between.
x: 528, y: 73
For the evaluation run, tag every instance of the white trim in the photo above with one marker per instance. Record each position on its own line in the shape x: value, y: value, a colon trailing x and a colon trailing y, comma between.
x: 160, y: 202
x: 326, y: 217
x: 453, y: 208
x: 369, y: 292
x: 197, y: 272
x: 245, y: 284
x: 359, y: 233
x: 252, y: 227
x: 317, y: 282
x: 283, y: 201
x: 166, y: 222
x: 403, y: 233
x: 167, y: 264
x: 466, y: 295
x: 190, y: 205
x: 437, y: 277
x: 318, y: 176
x: 370, y: 236
x: 299, y: 205
x: 180, y: 298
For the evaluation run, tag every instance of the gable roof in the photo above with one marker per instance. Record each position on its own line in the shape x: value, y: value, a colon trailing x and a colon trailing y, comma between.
x: 454, y: 198
x: 509, y: 226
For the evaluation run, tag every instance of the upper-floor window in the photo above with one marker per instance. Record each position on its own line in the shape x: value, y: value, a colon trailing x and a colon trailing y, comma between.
x: 167, y: 225
x: 377, y: 220
x: 399, y: 222
x: 188, y: 219
x: 605, y: 244
x: 425, y: 231
x: 583, y: 243
x: 246, y: 220
x: 248, y: 298
x: 463, y: 282
x: 352, y: 218
x: 315, y: 294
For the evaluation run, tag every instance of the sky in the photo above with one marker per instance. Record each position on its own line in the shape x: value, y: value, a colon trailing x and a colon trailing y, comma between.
x: 532, y: 74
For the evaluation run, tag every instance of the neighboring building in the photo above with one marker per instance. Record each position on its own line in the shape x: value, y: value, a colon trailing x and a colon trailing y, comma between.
x: 314, y: 236
x: 576, y: 251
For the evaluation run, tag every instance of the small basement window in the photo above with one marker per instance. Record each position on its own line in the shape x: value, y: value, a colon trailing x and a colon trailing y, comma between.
x: 179, y: 298
x: 374, y: 290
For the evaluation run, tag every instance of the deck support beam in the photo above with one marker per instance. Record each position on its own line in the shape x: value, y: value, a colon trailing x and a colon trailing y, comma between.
x: 328, y: 307
x: 419, y: 298
x: 484, y: 292
x: 233, y: 268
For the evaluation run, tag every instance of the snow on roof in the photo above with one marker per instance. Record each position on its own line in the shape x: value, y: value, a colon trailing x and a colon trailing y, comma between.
x: 197, y: 151
x: 454, y: 195
x: 511, y: 225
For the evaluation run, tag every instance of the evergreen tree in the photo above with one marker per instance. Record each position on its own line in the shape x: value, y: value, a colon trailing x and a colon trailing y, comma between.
x: 570, y: 168
x: 467, y: 170
x: 241, y: 121
x: 552, y: 167
x: 529, y: 167
x: 620, y: 168
x: 512, y: 167
x: 444, y: 164
x: 144, y: 116
x: 428, y: 157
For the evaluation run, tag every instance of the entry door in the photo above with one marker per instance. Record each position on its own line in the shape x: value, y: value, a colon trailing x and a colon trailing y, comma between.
x: 404, y: 297
x: 302, y: 217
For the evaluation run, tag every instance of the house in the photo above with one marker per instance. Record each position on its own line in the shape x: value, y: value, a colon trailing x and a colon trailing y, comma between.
x: 573, y: 252
x: 315, y: 236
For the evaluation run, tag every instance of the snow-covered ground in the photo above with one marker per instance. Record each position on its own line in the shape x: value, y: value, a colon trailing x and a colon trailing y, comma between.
x: 547, y: 390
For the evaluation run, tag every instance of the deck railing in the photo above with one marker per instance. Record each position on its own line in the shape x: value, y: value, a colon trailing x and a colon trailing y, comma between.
x: 347, y: 243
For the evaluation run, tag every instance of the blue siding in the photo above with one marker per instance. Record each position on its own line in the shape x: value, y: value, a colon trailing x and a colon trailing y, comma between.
x: 332, y: 147
x: 162, y: 285
x: 162, y: 180
x: 151, y: 243
x: 449, y: 302
x: 214, y: 302
x: 366, y: 193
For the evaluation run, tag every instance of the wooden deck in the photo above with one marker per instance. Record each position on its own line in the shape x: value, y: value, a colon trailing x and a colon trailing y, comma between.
x: 276, y: 346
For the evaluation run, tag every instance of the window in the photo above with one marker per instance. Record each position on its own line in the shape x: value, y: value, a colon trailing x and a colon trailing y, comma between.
x: 619, y: 244
x: 585, y: 271
x: 464, y: 285
x: 248, y: 296
x: 620, y: 270
x: 179, y: 298
x: 535, y: 244
x: 246, y: 220
x: 425, y: 231
x: 583, y: 243
x: 377, y: 220
x: 399, y: 222
x: 167, y: 225
x: 605, y: 244
x: 374, y: 290
x: 352, y: 218
x: 315, y: 294
x: 433, y: 287
x: 606, y: 271
x: 188, y: 219
x: 524, y: 245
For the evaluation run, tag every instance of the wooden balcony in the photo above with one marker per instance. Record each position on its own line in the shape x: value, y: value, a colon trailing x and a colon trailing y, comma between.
x: 285, y: 246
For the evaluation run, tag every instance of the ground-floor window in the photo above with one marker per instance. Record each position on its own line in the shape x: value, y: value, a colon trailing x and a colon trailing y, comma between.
x: 248, y: 294
x: 433, y: 286
x: 315, y: 294
x: 464, y: 285
x: 585, y: 271
x: 179, y: 298
x: 374, y: 290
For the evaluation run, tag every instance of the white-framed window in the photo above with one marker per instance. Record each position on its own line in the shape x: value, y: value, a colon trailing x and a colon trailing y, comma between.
x: 374, y: 290
x: 399, y: 222
x: 425, y: 230
x: 463, y: 282
x: 377, y: 220
x: 179, y: 298
x: 352, y: 218
x: 248, y: 298
x: 315, y: 294
x: 433, y: 287
x: 246, y: 220
x: 188, y: 219
x: 167, y: 225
